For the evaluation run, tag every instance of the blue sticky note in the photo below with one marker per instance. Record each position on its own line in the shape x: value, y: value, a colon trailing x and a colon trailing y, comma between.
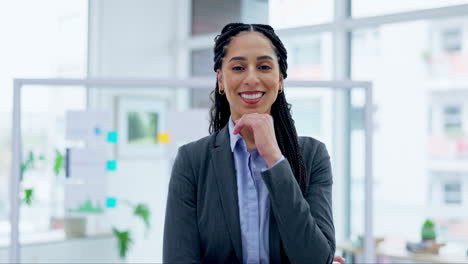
x: 97, y: 131
x: 111, y: 202
x: 111, y: 165
x: 112, y: 136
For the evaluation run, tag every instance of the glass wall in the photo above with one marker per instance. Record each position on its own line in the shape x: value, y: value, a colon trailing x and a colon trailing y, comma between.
x: 297, y: 13
x: 39, y: 40
x: 309, y: 56
x: 44, y: 150
x: 419, y: 71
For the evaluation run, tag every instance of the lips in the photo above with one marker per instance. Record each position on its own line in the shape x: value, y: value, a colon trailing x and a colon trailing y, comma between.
x: 252, y: 97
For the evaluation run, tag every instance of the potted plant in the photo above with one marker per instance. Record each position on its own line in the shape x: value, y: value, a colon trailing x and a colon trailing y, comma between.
x: 428, y: 232
x: 428, y: 237
x: 124, y: 237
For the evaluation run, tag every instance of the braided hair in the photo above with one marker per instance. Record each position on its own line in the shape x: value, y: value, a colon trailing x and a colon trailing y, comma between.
x: 285, y: 130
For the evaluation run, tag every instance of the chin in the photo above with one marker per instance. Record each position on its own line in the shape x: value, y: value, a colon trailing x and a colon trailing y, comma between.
x: 258, y: 111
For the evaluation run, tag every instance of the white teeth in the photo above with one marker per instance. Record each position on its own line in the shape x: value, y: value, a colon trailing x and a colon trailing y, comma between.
x: 251, y: 96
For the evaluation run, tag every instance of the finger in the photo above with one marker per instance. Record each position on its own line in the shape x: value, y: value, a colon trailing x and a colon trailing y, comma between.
x: 247, y: 120
x: 239, y: 125
x: 339, y: 259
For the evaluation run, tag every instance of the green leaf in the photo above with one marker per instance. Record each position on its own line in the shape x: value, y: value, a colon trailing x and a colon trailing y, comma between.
x: 124, y: 241
x: 58, y: 164
x: 31, y: 158
x: 23, y: 169
x: 27, y: 164
x: 28, y: 196
x: 428, y: 223
x: 142, y: 211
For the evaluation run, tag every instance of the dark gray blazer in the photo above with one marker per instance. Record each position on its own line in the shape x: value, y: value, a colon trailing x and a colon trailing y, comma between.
x: 202, y: 213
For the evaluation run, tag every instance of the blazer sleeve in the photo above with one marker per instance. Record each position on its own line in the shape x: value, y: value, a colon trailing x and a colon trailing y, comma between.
x: 305, y: 224
x: 181, y: 243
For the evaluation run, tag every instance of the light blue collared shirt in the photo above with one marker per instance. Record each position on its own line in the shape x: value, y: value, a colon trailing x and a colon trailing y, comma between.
x: 254, y: 205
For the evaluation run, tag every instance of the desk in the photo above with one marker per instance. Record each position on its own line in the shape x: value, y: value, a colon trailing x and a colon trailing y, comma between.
x: 399, y: 252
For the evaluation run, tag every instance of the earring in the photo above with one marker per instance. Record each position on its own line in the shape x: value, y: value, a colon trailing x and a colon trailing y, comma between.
x: 221, y: 92
x: 281, y: 90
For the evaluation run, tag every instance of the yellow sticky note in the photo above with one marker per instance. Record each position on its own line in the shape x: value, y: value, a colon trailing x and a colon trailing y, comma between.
x: 163, y: 137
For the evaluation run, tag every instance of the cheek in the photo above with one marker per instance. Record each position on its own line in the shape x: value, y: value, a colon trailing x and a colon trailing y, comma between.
x: 272, y: 97
x: 232, y: 80
x: 272, y: 80
x: 272, y: 84
x: 231, y: 95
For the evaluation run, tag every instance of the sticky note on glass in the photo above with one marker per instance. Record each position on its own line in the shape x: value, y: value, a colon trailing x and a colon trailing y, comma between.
x: 97, y: 131
x: 111, y: 202
x: 111, y: 165
x: 163, y: 137
x: 112, y: 136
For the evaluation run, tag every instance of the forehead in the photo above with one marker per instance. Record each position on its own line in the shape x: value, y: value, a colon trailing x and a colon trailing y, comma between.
x: 250, y: 43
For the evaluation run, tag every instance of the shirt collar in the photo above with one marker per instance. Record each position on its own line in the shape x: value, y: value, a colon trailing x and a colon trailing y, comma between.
x: 233, y: 138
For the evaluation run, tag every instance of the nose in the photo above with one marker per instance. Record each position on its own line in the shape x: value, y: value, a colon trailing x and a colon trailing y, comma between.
x: 251, y: 79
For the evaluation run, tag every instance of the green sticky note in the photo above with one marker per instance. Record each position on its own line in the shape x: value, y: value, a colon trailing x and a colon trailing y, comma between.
x: 111, y: 165
x: 112, y: 136
x: 111, y: 202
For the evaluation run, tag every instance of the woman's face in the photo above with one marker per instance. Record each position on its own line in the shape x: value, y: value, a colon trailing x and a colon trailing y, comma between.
x: 250, y: 74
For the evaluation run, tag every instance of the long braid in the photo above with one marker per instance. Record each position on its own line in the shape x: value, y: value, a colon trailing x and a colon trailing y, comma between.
x: 287, y: 138
x: 285, y: 130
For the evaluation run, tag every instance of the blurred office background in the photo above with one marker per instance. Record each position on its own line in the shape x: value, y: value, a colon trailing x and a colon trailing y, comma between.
x: 415, y: 53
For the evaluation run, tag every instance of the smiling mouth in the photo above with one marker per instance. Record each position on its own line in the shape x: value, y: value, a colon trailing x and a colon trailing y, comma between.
x: 252, y: 96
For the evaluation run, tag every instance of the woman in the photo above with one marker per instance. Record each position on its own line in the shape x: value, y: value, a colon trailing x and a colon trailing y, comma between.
x: 252, y: 191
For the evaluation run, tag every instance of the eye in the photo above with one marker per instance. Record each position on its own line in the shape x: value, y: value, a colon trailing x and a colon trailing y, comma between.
x: 265, y: 67
x: 237, y: 68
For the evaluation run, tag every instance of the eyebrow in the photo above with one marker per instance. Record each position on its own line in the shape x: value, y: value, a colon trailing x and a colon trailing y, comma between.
x: 265, y: 57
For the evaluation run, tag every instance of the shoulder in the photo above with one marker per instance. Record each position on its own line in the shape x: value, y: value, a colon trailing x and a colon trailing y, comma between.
x: 309, y: 142
x: 315, y: 154
x: 316, y: 160
x: 191, y: 158
x: 198, y: 152
x: 312, y: 149
x: 198, y: 147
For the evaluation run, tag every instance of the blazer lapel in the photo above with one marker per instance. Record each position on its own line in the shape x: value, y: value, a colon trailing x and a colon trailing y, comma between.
x: 225, y: 174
